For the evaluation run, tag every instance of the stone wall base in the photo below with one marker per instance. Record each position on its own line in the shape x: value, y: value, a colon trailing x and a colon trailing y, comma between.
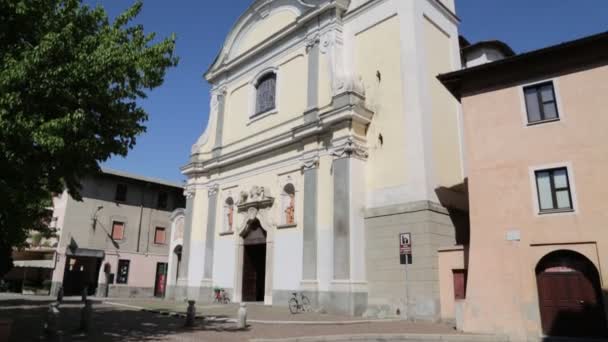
x: 130, y: 292
x: 406, y: 291
x: 333, y: 302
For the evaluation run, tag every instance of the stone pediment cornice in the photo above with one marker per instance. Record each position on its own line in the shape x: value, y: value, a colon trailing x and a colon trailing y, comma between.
x: 347, y: 107
x: 307, y: 11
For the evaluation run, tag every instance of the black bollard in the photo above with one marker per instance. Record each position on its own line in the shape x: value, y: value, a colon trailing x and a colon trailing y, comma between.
x: 85, y: 291
x: 85, y: 318
x: 60, y: 295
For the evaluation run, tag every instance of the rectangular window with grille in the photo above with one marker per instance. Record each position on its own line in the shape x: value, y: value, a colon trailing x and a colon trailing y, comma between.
x: 123, y: 272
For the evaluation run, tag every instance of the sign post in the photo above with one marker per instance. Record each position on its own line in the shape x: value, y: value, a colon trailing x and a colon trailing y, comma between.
x: 405, y: 248
x: 405, y: 256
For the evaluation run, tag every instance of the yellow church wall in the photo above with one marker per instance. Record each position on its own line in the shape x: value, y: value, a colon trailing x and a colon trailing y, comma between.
x: 199, y: 215
x: 236, y: 112
x: 265, y: 28
x: 378, y: 50
x: 325, y: 194
x: 446, y: 140
x: 240, y: 130
x: 324, y: 87
x: 293, y: 82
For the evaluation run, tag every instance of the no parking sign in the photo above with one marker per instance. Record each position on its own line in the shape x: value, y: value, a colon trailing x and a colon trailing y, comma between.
x: 405, y: 248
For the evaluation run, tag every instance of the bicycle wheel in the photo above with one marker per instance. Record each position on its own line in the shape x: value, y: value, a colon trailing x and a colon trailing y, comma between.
x: 306, y: 304
x: 293, y: 306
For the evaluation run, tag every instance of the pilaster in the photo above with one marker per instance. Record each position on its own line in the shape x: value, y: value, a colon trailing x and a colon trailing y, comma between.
x: 309, y: 257
x: 212, y: 193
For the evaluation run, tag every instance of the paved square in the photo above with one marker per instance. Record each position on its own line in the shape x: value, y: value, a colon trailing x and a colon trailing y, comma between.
x: 114, y: 323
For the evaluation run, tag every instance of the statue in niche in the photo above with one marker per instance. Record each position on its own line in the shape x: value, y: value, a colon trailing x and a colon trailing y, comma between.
x: 289, y: 204
x: 229, y: 214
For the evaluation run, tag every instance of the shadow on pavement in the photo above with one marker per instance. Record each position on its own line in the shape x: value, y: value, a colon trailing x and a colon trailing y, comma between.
x: 107, y: 324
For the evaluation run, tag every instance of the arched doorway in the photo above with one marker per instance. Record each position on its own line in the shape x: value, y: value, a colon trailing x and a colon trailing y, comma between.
x: 254, y: 262
x: 570, y: 296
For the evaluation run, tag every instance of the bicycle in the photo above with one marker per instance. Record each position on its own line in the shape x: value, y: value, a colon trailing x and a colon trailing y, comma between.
x: 221, y: 297
x: 296, y: 305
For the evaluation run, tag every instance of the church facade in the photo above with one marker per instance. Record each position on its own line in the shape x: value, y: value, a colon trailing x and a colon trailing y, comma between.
x: 328, y: 137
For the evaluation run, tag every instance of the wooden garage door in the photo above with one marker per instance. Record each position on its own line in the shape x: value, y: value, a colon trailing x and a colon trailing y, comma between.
x: 570, y: 304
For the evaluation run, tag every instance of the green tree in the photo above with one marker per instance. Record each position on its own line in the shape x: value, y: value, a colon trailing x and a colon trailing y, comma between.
x: 69, y: 83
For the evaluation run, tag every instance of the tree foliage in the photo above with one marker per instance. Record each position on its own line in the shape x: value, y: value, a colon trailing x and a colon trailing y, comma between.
x: 69, y: 83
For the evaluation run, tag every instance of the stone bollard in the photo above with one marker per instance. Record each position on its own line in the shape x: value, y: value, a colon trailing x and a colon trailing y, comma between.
x: 52, y: 321
x: 242, y: 317
x: 190, y: 313
x: 85, y: 317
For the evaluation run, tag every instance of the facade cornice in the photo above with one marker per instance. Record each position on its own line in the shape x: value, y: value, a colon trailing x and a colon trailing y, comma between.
x: 347, y: 107
x: 224, y: 63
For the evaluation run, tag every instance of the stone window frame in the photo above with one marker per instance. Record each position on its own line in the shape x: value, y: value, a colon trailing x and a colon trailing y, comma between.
x: 537, y: 212
x: 254, y: 116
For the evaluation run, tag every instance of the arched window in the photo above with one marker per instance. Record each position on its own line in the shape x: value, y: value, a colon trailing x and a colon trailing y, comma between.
x: 265, y: 98
x: 289, y: 204
x: 229, y: 215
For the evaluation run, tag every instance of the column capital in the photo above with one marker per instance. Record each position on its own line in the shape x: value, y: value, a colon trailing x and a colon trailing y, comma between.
x: 213, y: 189
x: 189, y: 191
x: 312, y: 40
x: 349, y: 148
x: 309, y: 163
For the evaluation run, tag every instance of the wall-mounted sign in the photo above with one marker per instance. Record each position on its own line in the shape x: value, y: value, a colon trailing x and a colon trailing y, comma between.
x: 405, y: 248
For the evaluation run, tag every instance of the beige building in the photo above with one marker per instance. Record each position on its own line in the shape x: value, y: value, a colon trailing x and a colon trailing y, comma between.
x: 535, y: 132
x: 327, y: 138
x: 116, y: 241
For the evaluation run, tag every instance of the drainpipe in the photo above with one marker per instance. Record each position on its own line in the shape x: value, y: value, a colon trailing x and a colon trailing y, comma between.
x: 141, y: 214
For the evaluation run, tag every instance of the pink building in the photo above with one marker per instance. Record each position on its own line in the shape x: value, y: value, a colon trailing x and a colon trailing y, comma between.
x: 536, y: 129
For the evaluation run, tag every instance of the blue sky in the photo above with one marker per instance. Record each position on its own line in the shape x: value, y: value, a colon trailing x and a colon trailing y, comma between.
x: 178, y: 110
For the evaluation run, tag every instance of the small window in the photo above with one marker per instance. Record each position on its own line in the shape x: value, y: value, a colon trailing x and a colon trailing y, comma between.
x: 541, y: 104
x: 123, y: 272
x: 553, y: 190
x: 121, y: 193
x: 118, y: 231
x: 460, y: 284
x: 160, y: 236
x: 266, y: 93
x: 163, y: 199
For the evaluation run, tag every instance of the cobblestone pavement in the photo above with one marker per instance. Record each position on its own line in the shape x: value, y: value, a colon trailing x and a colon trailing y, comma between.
x: 112, y: 323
